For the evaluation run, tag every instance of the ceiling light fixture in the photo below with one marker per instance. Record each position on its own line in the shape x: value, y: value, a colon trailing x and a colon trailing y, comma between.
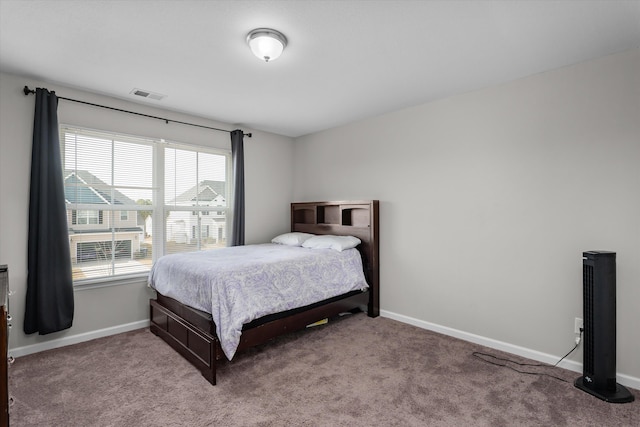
x: 266, y: 44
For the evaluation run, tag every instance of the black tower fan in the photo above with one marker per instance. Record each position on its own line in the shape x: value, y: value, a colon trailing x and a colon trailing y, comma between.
x: 599, y: 311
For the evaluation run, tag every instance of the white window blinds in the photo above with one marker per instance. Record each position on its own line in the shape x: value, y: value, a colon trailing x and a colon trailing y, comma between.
x: 113, y: 191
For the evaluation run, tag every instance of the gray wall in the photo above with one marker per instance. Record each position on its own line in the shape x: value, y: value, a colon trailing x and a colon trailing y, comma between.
x: 268, y: 193
x: 489, y: 198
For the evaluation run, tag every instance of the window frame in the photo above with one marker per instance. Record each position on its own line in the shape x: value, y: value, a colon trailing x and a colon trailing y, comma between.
x: 158, y: 208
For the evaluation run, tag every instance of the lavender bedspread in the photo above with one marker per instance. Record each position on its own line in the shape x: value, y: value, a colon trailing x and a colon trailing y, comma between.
x: 242, y: 283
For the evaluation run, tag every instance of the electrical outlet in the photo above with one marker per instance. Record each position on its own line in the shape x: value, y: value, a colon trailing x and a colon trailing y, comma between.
x: 577, y: 325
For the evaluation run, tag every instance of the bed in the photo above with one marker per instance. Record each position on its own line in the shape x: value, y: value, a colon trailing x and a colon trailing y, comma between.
x: 192, y: 331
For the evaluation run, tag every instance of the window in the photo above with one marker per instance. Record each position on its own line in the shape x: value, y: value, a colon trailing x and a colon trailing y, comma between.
x: 131, y: 200
x: 86, y: 217
x: 193, y: 182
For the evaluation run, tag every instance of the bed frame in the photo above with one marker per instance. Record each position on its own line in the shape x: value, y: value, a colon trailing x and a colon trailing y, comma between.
x: 192, y: 332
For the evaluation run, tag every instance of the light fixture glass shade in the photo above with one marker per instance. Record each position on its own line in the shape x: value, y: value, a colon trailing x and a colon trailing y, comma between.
x: 266, y: 44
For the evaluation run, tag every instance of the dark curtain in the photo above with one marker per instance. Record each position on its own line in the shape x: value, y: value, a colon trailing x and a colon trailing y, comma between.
x: 237, y: 155
x: 49, y: 305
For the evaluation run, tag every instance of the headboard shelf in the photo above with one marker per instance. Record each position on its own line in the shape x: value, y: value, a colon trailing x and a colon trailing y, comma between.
x: 303, y: 215
x: 329, y: 214
x: 352, y: 214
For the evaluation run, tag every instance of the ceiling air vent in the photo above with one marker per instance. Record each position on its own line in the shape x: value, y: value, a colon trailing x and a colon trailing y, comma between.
x: 147, y: 94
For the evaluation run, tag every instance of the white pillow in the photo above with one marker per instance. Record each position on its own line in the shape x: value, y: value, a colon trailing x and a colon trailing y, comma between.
x: 291, y: 239
x: 338, y: 243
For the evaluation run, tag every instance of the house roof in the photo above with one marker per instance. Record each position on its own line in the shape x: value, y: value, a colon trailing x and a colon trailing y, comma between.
x: 205, y: 191
x: 82, y: 187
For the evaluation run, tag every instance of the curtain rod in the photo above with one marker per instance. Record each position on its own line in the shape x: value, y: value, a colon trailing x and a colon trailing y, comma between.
x: 28, y: 91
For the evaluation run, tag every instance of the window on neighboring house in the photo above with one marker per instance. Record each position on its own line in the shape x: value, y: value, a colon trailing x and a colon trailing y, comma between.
x: 83, y: 217
x: 110, y: 178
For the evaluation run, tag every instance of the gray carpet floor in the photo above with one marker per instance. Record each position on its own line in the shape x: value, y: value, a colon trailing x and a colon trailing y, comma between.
x: 354, y: 371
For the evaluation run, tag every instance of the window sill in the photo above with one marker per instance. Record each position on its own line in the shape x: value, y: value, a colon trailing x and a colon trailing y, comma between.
x: 111, y: 281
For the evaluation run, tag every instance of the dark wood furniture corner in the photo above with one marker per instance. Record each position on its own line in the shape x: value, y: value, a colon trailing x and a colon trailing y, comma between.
x: 4, y: 347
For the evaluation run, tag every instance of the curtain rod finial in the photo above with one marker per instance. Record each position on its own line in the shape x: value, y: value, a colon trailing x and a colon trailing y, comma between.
x: 27, y: 91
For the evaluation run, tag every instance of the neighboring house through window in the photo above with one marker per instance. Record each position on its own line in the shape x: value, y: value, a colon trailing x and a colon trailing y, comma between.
x: 199, y: 220
x: 126, y: 207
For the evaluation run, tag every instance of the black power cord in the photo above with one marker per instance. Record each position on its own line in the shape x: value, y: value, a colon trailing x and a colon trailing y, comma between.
x: 574, y: 347
x: 497, y: 361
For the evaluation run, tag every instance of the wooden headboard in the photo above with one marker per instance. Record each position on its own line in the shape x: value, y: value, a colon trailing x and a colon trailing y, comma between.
x: 346, y: 218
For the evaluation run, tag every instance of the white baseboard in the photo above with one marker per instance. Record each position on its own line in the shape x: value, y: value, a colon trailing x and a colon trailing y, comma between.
x: 75, y: 339
x: 626, y: 380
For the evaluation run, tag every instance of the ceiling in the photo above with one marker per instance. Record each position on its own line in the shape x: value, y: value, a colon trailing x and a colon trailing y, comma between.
x: 346, y: 60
